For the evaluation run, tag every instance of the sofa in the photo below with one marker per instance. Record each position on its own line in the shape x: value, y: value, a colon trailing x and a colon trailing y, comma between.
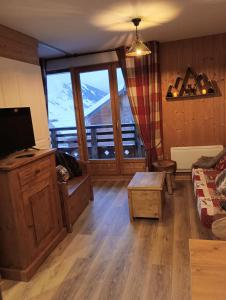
x: 210, y: 202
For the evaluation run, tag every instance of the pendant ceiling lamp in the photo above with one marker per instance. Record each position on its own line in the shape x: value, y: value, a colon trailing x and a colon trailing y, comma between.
x: 138, y: 48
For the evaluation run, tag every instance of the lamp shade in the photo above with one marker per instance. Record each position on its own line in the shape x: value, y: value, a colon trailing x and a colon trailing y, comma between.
x: 138, y: 48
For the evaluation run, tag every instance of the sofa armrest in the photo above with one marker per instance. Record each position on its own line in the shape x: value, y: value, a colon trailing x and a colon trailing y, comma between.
x: 83, y: 166
x: 63, y: 190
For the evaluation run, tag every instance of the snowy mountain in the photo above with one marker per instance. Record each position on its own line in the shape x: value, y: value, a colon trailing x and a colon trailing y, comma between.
x: 61, y: 106
x: 91, y: 93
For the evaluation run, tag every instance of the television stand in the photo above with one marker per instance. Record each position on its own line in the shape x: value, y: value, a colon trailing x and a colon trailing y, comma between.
x: 30, y: 214
x: 35, y: 148
x: 25, y: 155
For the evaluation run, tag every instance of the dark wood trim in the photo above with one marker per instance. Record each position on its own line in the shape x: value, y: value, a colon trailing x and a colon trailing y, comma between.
x: 79, y: 54
x: 18, y: 46
x: 58, y: 71
x: 76, y: 86
x: 117, y: 119
x: 93, y: 68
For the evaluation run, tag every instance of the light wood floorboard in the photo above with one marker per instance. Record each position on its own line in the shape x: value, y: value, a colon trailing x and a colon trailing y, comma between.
x: 108, y: 258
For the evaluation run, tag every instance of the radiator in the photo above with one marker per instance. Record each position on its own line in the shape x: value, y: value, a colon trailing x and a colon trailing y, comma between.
x: 186, y: 156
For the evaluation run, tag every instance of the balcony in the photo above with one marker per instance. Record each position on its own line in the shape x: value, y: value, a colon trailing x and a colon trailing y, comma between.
x: 100, y: 141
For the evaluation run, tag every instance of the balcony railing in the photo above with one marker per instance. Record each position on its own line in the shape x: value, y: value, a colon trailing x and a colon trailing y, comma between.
x: 100, y: 141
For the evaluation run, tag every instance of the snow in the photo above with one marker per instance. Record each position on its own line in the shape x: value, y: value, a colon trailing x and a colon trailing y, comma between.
x: 60, y: 99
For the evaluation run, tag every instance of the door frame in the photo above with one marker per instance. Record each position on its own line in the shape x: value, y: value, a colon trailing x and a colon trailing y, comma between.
x: 106, y: 166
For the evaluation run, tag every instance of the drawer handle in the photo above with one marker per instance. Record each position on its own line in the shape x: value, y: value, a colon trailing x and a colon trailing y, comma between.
x: 37, y: 171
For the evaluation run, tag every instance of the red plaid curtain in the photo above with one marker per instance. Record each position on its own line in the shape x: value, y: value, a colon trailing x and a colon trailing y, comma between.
x: 142, y: 77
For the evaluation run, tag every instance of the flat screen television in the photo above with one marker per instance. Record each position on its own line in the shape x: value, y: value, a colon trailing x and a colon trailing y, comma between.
x: 16, y: 130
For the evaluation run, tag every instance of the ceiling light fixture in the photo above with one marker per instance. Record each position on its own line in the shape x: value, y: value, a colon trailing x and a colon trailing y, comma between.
x: 138, y: 48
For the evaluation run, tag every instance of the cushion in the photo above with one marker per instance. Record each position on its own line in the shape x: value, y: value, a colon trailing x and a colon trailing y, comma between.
x: 69, y: 162
x: 62, y: 174
x: 209, y: 162
x: 208, y: 199
x: 204, y: 162
x: 221, y: 165
x: 221, y: 183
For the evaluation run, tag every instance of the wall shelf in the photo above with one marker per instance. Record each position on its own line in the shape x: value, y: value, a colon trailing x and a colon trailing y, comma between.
x: 192, y: 86
x: 210, y: 95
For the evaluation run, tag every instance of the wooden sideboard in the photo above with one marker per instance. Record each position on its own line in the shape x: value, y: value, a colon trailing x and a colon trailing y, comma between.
x: 30, y: 213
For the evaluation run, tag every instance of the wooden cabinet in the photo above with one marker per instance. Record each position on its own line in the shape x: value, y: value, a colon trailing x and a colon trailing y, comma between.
x: 30, y: 214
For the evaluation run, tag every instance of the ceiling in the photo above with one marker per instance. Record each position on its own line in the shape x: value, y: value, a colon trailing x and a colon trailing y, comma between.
x: 77, y: 27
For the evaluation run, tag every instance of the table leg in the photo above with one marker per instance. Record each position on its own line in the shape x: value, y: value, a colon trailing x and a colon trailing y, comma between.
x: 169, y: 183
x: 130, y: 206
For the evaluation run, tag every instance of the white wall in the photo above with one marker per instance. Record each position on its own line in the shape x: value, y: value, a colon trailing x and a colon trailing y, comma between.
x: 21, y: 85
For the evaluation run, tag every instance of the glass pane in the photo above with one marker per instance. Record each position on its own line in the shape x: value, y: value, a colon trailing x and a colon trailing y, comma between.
x: 61, y: 112
x: 98, y: 115
x: 131, y: 142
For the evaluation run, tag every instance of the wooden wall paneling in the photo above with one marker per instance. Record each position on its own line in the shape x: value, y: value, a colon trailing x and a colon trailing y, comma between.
x: 21, y: 85
x: 194, y: 122
x: 224, y: 89
x: 102, y: 167
x: 219, y: 105
x: 32, y: 94
x: 131, y: 167
x: 189, y: 118
x: 173, y: 115
x: 18, y: 46
x: 9, y: 88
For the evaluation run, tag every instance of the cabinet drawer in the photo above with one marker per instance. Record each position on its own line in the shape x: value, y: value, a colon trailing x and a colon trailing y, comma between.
x: 34, y: 172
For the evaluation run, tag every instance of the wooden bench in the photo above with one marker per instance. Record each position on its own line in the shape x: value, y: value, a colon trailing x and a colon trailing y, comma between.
x: 75, y: 195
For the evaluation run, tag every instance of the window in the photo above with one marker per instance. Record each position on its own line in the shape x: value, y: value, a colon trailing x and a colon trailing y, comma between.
x: 61, y: 113
x: 96, y: 100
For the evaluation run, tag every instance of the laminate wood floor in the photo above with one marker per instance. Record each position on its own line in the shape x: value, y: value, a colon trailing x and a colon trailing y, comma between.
x: 107, y: 257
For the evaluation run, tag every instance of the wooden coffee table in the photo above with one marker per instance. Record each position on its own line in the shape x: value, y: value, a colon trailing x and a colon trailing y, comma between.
x: 146, y: 195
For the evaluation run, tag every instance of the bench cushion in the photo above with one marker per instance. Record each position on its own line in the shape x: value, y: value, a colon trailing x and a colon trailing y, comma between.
x: 208, y: 200
x: 75, y: 182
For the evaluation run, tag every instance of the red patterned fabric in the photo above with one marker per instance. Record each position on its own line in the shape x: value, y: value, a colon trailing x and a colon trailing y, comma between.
x: 208, y: 200
x: 221, y: 165
x: 142, y: 77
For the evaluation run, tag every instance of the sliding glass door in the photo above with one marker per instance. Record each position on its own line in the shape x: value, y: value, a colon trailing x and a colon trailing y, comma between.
x: 90, y: 117
x: 97, y: 111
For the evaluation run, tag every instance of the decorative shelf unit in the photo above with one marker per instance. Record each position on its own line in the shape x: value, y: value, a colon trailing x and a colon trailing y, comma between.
x: 192, y: 86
